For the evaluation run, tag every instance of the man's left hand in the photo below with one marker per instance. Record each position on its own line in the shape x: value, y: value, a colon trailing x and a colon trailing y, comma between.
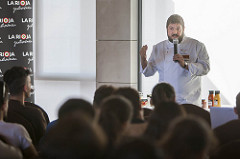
x: 179, y: 58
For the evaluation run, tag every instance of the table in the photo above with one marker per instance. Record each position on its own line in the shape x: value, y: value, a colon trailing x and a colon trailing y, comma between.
x: 221, y: 115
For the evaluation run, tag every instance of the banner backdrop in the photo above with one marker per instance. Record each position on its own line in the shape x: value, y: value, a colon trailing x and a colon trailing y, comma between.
x: 16, y: 36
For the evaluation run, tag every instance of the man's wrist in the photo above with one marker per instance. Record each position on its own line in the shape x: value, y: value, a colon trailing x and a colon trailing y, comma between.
x: 143, y: 60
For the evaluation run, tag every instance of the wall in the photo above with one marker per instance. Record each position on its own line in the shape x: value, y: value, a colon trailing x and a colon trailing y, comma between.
x: 117, y: 42
x: 69, y: 60
x: 65, y: 46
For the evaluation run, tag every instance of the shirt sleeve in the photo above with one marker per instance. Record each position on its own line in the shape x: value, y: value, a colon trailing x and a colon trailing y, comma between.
x: 24, y: 138
x: 202, y: 65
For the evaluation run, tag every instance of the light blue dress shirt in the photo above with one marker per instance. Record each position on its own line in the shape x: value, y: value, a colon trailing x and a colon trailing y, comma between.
x: 187, y: 83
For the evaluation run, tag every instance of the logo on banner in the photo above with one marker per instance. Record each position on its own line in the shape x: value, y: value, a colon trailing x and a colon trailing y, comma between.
x: 29, y: 55
x: 22, y: 39
x: 20, y: 5
x: 7, y: 56
x: 7, y: 23
x: 24, y: 36
x: 29, y: 22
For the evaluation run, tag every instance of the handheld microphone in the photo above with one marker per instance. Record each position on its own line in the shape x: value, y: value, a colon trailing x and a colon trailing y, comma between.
x: 175, y: 44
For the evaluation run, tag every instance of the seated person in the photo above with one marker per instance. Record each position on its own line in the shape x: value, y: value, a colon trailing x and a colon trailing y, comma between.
x: 137, y: 148
x: 74, y: 136
x: 137, y: 126
x: 73, y: 105
x: 15, y: 134
x: 115, y: 116
x: 188, y: 137
x: 162, y: 92
x: 160, y: 120
x: 31, y: 117
x: 100, y: 94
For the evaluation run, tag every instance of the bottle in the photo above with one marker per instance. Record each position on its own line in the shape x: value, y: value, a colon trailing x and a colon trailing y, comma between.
x: 141, y: 98
x: 210, y: 99
x: 204, y: 104
x: 149, y: 96
x: 217, y: 99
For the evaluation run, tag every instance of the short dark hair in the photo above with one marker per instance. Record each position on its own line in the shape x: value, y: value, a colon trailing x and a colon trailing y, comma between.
x: 133, y: 96
x: 73, y: 105
x: 238, y: 103
x: 16, y: 78
x: 115, y: 111
x: 101, y: 93
x: 175, y: 19
x: 162, y: 92
x: 74, y: 137
x: 161, y: 118
x: 3, y: 93
x: 138, y: 148
x: 187, y: 137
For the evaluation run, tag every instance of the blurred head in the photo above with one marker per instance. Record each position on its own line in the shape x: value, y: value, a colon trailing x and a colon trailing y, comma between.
x: 189, y: 138
x: 162, y: 92
x: 237, y: 108
x: 101, y: 93
x: 161, y: 118
x: 75, y: 105
x: 18, y: 80
x: 115, y: 115
x: 175, y: 27
x: 74, y: 137
x: 133, y: 96
x: 138, y: 149
x: 3, y: 98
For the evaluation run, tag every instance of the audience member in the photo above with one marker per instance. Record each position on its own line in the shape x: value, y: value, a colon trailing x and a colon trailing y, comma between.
x: 230, y: 131
x: 15, y: 134
x: 160, y: 120
x: 162, y: 92
x: 229, y: 150
x: 75, y: 137
x: 147, y: 113
x: 137, y: 126
x: 31, y: 117
x: 115, y: 116
x: 73, y: 106
x: 188, y: 138
x: 100, y: 94
x: 138, y: 149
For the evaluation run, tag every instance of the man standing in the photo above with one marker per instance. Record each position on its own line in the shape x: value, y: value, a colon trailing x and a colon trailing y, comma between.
x: 182, y: 70
x: 31, y: 116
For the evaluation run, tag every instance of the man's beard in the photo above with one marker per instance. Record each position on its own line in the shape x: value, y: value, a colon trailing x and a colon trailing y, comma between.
x: 27, y: 94
x: 180, y: 38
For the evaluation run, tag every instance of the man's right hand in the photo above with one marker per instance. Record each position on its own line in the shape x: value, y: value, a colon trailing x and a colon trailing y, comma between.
x: 143, y: 54
x: 143, y: 51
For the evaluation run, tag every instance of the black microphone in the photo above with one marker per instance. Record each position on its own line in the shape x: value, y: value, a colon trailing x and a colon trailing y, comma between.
x: 175, y: 44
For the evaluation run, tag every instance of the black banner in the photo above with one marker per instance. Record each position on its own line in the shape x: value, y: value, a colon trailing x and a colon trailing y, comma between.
x: 16, y: 35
